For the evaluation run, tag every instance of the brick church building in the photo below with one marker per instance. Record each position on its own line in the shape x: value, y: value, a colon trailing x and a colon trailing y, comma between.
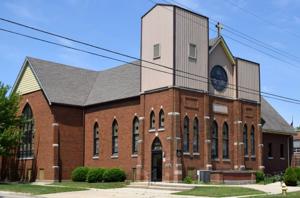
x: 192, y: 105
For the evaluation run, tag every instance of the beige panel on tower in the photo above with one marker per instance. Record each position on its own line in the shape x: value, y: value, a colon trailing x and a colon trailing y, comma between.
x: 28, y: 82
x: 191, y: 29
x: 157, y: 28
x: 248, y: 80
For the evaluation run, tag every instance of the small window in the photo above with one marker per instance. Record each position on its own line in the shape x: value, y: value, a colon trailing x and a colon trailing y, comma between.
x: 225, y: 141
x: 152, y: 120
x: 270, y: 152
x: 214, y: 142
x: 115, y: 132
x: 96, y: 140
x: 156, y: 51
x: 161, y: 119
x: 135, y: 135
x: 196, y: 136
x: 252, y: 140
x: 281, y: 151
x: 186, y: 135
x: 245, y: 140
x: 193, y: 51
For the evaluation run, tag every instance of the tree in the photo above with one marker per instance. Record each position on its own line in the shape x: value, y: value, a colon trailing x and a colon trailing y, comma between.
x: 9, y: 121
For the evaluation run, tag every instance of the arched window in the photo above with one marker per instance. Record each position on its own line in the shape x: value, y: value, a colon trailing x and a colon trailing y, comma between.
x: 161, y: 119
x: 225, y: 141
x: 135, y: 135
x: 186, y: 134
x: 196, y: 136
x: 27, y: 143
x: 252, y: 140
x: 214, y: 140
x: 96, y: 140
x: 152, y: 120
x: 245, y: 139
x: 115, y: 144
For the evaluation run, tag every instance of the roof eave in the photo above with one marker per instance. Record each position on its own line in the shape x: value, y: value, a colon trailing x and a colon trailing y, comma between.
x: 279, y: 132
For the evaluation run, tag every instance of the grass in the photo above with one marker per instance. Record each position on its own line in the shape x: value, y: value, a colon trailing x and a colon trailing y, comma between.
x: 36, y: 189
x: 213, y: 191
x: 91, y: 185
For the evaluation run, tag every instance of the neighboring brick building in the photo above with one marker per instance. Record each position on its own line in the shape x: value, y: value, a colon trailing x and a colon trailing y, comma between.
x: 155, y: 122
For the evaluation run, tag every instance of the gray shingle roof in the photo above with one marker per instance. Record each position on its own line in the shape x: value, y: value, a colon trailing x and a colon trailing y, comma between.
x: 65, y: 84
x: 274, y: 122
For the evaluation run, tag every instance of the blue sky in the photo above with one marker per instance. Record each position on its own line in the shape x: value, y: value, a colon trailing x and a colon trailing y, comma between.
x: 115, y: 24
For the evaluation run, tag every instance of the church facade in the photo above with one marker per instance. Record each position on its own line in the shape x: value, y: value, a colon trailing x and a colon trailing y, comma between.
x: 189, y: 105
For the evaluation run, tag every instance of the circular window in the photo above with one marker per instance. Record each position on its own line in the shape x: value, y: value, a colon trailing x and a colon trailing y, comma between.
x: 218, y: 78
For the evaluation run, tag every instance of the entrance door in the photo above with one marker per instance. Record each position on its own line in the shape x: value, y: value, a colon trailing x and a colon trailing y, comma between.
x: 156, y: 161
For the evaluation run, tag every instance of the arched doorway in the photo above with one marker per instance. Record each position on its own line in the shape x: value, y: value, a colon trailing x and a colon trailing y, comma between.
x: 156, y: 161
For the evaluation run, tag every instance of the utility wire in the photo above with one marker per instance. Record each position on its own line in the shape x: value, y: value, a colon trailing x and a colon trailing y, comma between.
x: 134, y: 64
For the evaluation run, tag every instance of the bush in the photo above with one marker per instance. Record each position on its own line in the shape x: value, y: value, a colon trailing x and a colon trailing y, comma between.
x: 188, y: 180
x: 260, y: 176
x: 290, y: 177
x: 79, y: 174
x: 114, y: 175
x: 297, y: 171
x: 95, y: 175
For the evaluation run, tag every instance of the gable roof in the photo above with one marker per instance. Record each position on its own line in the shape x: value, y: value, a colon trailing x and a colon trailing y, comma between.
x: 274, y: 122
x: 64, y: 84
x: 213, y: 43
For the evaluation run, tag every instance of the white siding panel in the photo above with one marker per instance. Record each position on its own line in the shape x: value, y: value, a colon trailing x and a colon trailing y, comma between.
x: 191, y: 28
x: 219, y: 57
x: 248, y: 80
x: 28, y: 83
x: 157, y: 28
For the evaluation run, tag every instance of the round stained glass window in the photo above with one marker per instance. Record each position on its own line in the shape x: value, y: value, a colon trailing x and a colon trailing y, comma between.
x: 218, y: 78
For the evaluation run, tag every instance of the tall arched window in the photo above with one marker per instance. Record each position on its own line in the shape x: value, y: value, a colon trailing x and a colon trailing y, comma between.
x: 186, y: 134
x: 214, y: 141
x: 225, y: 141
x: 135, y: 135
x: 196, y: 136
x: 115, y: 144
x: 252, y: 140
x: 96, y: 140
x: 27, y: 144
x: 245, y: 139
x: 161, y: 119
x: 152, y: 120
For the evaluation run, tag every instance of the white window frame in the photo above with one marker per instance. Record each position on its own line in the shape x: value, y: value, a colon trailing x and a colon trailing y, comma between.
x: 159, y: 51
x: 189, y: 51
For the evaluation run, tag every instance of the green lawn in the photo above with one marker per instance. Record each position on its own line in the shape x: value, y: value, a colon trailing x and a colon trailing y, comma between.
x: 213, y: 191
x: 91, y: 185
x: 36, y: 189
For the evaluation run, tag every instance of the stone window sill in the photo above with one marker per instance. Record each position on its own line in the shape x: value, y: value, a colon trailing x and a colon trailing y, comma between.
x: 197, y: 154
x: 270, y: 158
x: 114, y: 156
x: 186, y: 153
x: 216, y: 160
x: 226, y: 160
x: 26, y: 158
x: 151, y: 130
x: 95, y: 157
x: 282, y: 158
x: 134, y: 155
x: 253, y: 156
x: 161, y: 129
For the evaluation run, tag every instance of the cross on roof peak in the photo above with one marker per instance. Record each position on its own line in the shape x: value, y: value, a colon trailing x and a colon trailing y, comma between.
x: 219, y: 27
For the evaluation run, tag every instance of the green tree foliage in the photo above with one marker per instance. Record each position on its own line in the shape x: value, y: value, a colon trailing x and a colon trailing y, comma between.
x: 9, y: 121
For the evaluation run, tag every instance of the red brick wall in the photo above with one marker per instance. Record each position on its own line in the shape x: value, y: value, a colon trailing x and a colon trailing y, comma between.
x: 276, y: 164
x: 43, y: 120
x: 124, y: 112
x: 71, y: 134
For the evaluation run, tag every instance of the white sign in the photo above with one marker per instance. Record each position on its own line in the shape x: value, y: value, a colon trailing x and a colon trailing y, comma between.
x: 218, y: 108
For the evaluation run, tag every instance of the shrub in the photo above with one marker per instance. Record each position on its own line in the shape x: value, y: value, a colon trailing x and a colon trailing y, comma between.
x: 114, y: 175
x: 260, y: 176
x: 95, y: 175
x: 290, y: 177
x: 297, y: 171
x: 79, y: 174
x: 188, y: 180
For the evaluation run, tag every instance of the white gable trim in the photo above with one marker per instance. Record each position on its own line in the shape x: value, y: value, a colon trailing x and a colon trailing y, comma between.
x: 19, y: 77
x: 225, y: 48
